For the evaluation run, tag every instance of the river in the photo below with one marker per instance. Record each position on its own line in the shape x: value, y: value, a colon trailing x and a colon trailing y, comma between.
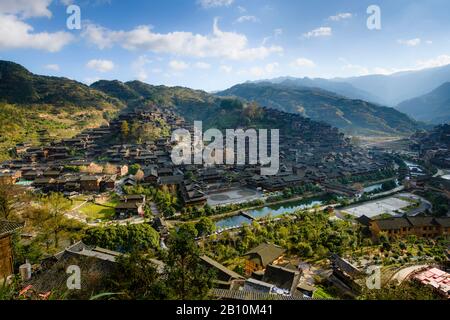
x: 273, y: 211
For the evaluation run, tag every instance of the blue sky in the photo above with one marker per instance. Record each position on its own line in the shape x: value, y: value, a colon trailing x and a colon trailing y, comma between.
x: 214, y: 44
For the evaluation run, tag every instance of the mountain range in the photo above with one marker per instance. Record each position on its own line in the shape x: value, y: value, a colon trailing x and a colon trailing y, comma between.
x: 351, y: 115
x: 433, y: 107
x: 341, y: 88
x: 395, y: 90
x: 32, y: 103
x: 391, y: 90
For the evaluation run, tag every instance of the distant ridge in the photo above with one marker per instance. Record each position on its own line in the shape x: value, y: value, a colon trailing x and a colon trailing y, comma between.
x: 433, y: 107
x: 350, y: 115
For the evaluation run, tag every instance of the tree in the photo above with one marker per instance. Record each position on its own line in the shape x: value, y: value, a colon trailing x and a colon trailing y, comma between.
x: 136, y: 277
x: 134, y: 130
x: 124, y: 129
x: 205, y: 226
x: 139, y: 175
x: 407, y: 290
x: 7, y: 201
x: 253, y: 111
x: 134, y: 168
x: 93, y: 168
x: 109, y: 169
x: 187, y: 277
x: 50, y: 217
x: 123, y: 238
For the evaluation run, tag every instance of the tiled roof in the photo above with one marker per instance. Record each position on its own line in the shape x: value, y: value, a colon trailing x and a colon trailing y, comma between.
x: 251, y: 295
x: 8, y: 227
x: 267, y: 252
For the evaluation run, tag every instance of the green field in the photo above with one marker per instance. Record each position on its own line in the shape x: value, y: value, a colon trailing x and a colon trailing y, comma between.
x: 95, y: 211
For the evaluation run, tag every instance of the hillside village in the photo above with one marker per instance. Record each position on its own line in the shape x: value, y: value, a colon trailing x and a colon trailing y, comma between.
x: 113, y: 178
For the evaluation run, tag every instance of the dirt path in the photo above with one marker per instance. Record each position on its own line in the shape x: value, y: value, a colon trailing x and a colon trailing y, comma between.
x: 401, y: 275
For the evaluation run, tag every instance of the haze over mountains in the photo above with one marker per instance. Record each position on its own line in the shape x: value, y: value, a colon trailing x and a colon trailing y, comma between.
x: 433, y: 107
x: 341, y: 88
x: 395, y: 90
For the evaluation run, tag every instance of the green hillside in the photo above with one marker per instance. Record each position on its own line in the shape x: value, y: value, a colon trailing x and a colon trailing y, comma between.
x: 32, y: 106
x: 352, y: 116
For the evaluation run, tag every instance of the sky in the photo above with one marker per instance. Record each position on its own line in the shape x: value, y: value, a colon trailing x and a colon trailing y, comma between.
x: 214, y: 44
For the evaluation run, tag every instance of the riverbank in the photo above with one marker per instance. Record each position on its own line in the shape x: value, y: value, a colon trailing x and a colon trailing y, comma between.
x: 234, y: 213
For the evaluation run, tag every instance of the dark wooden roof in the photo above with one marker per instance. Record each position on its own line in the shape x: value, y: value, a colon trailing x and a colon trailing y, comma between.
x: 267, y: 252
x: 281, y: 277
x: 393, y: 223
x: 217, y: 265
x: 251, y: 295
x: 8, y: 227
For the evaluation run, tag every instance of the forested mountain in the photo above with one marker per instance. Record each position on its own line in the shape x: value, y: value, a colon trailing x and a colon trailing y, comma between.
x: 353, y: 116
x: 433, y: 107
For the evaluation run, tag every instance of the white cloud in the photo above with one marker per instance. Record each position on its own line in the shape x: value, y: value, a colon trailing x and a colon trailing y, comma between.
x: 26, y: 8
x: 215, y: 3
x: 100, y: 65
x: 303, y: 63
x: 356, y: 69
x: 203, y: 65
x: 260, y: 71
x: 429, y: 42
x: 272, y: 67
x: 278, y: 32
x: 242, y: 9
x: 411, y: 42
x: 67, y: 2
x: 319, y: 32
x: 226, y: 69
x: 178, y: 65
x: 220, y: 44
x: 341, y: 16
x: 16, y: 34
x: 139, y: 67
x: 439, y: 61
x: 91, y: 80
x: 243, y: 19
x: 53, y: 67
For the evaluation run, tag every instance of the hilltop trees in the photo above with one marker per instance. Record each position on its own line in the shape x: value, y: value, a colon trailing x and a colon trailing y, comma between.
x: 123, y: 238
x: 205, y: 226
x: 187, y: 278
x: 50, y: 218
x: 183, y: 276
x: 407, y: 290
x: 124, y: 129
x: 136, y: 277
x: 7, y: 201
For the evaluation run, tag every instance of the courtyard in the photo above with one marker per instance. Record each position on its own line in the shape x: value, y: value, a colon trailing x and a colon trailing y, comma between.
x: 391, y: 205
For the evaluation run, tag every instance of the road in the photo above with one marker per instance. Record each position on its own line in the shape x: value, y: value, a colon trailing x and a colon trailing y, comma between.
x: 404, y: 273
x: 387, y: 193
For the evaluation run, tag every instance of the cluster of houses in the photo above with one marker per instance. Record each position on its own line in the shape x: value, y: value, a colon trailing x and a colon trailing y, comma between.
x: 434, y: 146
x: 267, y: 275
x: 270, y: 277
x: 424, y: 227
x: 310, y: 152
